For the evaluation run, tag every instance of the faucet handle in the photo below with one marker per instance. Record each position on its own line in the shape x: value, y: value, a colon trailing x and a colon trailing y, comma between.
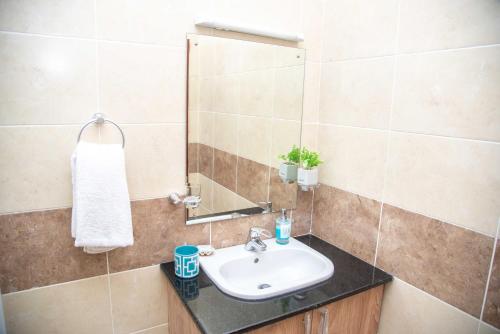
x: 257, y: 232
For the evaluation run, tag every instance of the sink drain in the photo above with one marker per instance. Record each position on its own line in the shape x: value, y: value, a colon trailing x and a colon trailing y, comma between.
x: 263, y: 286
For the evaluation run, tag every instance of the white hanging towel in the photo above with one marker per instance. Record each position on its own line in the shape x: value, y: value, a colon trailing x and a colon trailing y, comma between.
x: 101, y: 218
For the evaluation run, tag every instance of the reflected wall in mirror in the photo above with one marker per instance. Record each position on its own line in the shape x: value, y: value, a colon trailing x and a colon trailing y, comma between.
x: 244, y: 110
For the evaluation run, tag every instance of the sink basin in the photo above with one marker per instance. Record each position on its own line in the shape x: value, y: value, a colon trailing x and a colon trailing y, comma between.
x: 278, y: 270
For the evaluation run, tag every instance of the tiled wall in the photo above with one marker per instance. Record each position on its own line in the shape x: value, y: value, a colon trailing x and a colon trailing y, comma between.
x: 408, y: 124
x: 60, y: 63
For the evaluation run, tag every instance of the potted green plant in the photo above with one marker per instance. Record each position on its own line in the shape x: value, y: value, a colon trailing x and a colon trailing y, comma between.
x: 288, y: 169
x: 308, y: 172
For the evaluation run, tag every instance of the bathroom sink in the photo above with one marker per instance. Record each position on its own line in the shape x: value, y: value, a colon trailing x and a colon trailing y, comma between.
x: 278, y: 270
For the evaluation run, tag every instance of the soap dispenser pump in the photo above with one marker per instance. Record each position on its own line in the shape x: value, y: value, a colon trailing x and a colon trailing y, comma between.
x: 283, y: 228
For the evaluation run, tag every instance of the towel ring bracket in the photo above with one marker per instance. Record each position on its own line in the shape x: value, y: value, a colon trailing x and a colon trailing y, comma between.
x: 99, y: 119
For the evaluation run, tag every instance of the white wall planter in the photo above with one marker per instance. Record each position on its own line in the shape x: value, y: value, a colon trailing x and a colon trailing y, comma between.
x: 307, y: 177
x: 288, y: 172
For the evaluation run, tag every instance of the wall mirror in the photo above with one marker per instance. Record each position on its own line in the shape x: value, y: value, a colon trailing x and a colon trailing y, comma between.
x: 244, y: 110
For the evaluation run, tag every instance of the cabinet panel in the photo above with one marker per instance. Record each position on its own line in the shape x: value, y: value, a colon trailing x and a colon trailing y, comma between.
x: 358, y: 314
x: 294, y: 325
x: 179, y: 319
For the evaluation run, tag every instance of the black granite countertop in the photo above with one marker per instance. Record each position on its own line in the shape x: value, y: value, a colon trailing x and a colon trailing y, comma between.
x: 215, y: 312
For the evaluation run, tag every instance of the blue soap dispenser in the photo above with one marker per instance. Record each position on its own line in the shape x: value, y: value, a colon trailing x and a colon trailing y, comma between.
x: 283, y: 228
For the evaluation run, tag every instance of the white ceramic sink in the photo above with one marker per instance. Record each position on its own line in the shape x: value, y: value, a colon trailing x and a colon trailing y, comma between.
x: 278, y: 270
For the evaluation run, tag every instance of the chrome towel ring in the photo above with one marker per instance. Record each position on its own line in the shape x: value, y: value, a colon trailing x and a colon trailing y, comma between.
x: 99, y: 119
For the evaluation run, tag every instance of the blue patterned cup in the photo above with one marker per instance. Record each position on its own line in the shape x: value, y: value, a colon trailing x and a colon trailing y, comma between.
x: 187, y: 264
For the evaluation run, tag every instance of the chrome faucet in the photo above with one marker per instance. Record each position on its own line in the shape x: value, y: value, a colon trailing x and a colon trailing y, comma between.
x: 254, y: 243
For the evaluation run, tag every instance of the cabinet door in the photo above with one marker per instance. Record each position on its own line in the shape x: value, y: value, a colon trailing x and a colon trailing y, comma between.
x: 358, y: 314
x: 179, y: 319
x: 299, y: 324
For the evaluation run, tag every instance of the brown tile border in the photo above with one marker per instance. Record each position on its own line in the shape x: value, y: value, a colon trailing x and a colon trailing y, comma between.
x: 225, y: 169
x: 192, y: 153
x: 491, y: 312
x: 444, y: 260
x: 252, y: 180
x: 302, y: 215
x: 205, y: 160
x: 281, y: 194
x: 158, y: 227
x: 37, y: 250
x: 346, y: 220
x: 235, y: 232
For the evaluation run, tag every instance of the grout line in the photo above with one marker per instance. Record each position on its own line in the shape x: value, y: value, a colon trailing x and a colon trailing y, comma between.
x: 80, y: 124
x: 109, y: 293
x: 492, y: 260
x: 147, y: 329
x: 388, y: 143
x: 409, y: 53
x: 407, y: 132
x: 54, y: 285
x: 93, y: 39
x: 312, y: 211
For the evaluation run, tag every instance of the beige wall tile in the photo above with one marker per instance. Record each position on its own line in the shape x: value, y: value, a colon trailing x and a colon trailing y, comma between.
x: 353, y: 159
x: 430, y: 25
x: 152, y: 21
x: 449, y: 93
x: 155, y: 159
x: 224, y: 199
x: 142, y: 83
x: 312, y: 27
x: 289, y: 56
x: 207, y: 89
x: 206, y: 128
x: 224, y: 55
x: 74, y: 307
x: 406, y: 309
x: 288, y: 92
x: 139, y: 299
x: 193, y: 93
x: 46, y: 80
x: 254, y: 138
x: 487, y: 329
x: 262, y: 13
x: 357, y: 93
x: 68, y: 18
x: 154, y: 156
x: 256, y: 56
x: 227, y: 94
x: 206, y: 191
x: 162, y: 329
x: 193, y: 127
x: 355, y: 29
x: 35, y: 167
x: 309, y: 136
x: 454, y: 180
x: 242, y: 203
x: 225, y: 132
x: 285, y: 135
x: 256, y: 93
x: 312, y: 79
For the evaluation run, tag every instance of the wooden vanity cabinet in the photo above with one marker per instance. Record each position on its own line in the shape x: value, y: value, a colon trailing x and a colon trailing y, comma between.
x: 358, y: 314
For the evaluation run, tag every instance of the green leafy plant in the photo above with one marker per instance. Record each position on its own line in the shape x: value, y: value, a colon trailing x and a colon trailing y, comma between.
x: 292, y: 157
x: 309, y: 159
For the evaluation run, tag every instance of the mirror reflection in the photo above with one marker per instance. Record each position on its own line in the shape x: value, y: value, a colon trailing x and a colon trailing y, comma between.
x: 244, y: 111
